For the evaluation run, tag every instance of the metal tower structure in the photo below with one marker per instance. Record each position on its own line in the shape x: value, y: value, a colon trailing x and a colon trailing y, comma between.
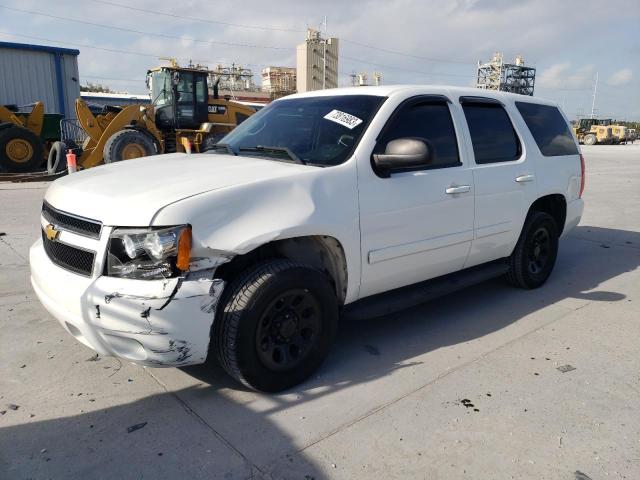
x: 508, y: 77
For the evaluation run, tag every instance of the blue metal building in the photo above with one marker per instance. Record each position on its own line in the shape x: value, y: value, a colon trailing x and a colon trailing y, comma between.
x: 29, y: 73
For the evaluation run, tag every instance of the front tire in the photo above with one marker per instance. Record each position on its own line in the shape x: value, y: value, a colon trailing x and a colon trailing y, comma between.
x: 128, y: 144
x: 275, y: 325
x: 590, y: 139
x: 534, y: 257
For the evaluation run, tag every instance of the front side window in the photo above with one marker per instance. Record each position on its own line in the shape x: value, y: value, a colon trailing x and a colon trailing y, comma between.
x: 492, y: 134
x: 321, y: 130
x: 429, y: 121
x: 549, y: 129
x: 160, y: 88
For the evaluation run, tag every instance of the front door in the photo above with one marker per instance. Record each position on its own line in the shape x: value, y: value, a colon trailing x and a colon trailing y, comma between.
x: 418, y: 224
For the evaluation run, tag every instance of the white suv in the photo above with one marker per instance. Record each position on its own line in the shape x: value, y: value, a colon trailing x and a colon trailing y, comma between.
x: 364, y: 200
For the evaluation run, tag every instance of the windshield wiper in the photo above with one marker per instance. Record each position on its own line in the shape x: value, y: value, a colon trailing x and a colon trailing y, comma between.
x: 262, y: 148
x: 222, y: 146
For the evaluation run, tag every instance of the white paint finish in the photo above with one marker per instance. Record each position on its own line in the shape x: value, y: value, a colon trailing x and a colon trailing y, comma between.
x: 310, y: 201
x: 411, y: 228
x: 130, y: 193
x: 574, y: 215
x: 154, y: 323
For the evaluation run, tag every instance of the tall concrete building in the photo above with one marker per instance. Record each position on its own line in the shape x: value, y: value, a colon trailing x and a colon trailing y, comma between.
x: 317, y: 62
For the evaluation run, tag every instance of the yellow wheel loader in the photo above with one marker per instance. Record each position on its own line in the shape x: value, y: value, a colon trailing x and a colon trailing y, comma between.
x: 181, y: 117
x: 588, y: 131
x: 25, y: 137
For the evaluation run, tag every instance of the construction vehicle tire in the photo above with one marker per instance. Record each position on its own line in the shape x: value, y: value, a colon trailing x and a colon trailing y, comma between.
x: 57, y: 160
x: 128, y: 144
x: 590, y: 139
x: 20, y: 149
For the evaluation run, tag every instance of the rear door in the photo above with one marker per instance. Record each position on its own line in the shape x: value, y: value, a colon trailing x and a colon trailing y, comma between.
x: 503, y: 176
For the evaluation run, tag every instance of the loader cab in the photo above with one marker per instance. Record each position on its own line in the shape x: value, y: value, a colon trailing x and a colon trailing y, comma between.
x: 180, y: 97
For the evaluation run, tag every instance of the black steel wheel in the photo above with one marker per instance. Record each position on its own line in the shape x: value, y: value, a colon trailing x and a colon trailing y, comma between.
x: 288, y: 329
x: 275, y: 324
x: 538, y: 251
x: 534, y: 257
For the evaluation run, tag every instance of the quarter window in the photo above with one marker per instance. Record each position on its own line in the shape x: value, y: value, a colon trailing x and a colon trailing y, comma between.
x: 430, y: 121
x: 492, y: 134
x: 549, y: 129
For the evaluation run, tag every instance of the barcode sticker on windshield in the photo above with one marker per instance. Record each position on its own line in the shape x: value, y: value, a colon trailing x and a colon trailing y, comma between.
x: 344, y: 119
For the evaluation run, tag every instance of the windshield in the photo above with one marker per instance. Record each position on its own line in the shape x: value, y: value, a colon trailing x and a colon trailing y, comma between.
x: 160, y: 88
x: 317, y: 130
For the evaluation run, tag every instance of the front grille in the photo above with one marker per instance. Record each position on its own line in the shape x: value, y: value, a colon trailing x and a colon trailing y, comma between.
x: 79, y: 225
x: 68, y: 257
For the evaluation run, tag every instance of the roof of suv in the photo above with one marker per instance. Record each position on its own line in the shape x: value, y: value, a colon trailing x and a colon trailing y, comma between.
x: 391, y: 90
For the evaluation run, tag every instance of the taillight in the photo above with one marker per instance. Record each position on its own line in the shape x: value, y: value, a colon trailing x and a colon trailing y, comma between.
x: 582, y: 174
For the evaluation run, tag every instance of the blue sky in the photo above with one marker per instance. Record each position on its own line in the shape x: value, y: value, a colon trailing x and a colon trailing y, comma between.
x: 408, y: 41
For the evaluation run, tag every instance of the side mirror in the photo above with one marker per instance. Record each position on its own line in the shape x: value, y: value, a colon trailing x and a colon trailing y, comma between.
x: 403, y: 154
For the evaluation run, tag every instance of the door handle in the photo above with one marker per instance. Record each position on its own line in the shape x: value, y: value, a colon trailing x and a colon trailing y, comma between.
x: 457, y: 189
x: 525, y: 178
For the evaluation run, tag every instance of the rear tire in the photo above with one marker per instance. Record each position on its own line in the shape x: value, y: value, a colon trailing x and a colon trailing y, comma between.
x: 126, y: 145
x: 275, y: 325
x: 590, y: 140
x: 20, y: 149
x: 535, y: 254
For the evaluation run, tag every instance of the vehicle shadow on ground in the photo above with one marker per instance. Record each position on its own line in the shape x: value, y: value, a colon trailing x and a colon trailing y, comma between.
x: 217, y: 431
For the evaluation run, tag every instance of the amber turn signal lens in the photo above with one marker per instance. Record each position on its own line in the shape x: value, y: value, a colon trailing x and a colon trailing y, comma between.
x: 184, y: 249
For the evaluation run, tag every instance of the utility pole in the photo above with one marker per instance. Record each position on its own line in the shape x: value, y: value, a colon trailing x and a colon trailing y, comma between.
x: 324, y: 53
x: 593, y: 102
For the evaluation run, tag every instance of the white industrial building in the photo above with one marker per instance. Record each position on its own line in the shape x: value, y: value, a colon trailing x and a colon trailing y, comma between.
x: 317, y: 62
x: 31, y: 73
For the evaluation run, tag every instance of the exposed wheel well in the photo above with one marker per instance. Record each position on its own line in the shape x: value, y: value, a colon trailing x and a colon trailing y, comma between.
x: 321, y: 252
x: 555, y: 205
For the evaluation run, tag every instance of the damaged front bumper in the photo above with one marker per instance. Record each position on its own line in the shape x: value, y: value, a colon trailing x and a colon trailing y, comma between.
x: 158, y: 323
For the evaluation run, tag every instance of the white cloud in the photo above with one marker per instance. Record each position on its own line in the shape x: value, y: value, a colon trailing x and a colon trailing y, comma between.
x: 564, y: 76
x: 620, y: 77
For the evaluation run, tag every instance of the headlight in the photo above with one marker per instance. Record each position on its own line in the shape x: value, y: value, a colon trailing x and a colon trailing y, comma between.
x: 149, y: 253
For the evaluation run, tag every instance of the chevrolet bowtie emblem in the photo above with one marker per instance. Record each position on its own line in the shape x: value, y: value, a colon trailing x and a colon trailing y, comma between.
x: 51, y: 232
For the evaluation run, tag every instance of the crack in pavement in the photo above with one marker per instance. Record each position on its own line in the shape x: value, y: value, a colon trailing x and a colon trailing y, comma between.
x: 3, y: 241
x: 195, y: 414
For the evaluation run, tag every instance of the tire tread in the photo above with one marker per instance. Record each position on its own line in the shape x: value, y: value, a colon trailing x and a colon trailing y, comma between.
x: 240, y: 292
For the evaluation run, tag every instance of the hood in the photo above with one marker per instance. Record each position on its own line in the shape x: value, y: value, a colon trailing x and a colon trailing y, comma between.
x: 129, y: 193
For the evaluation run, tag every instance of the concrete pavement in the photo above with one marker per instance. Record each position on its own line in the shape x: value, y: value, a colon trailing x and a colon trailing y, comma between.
x: 467, y: 386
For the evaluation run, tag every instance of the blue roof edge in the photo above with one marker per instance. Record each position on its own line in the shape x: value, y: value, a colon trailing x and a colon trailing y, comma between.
x: 39, y: 48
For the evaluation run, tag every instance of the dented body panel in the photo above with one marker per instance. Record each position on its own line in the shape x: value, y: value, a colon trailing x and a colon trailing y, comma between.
x: 154, y: 323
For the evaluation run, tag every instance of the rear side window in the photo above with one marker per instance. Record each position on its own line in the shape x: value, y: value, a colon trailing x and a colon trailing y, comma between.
x: 430, y: 121
x: 549, y: 129
x: 492, y: 134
